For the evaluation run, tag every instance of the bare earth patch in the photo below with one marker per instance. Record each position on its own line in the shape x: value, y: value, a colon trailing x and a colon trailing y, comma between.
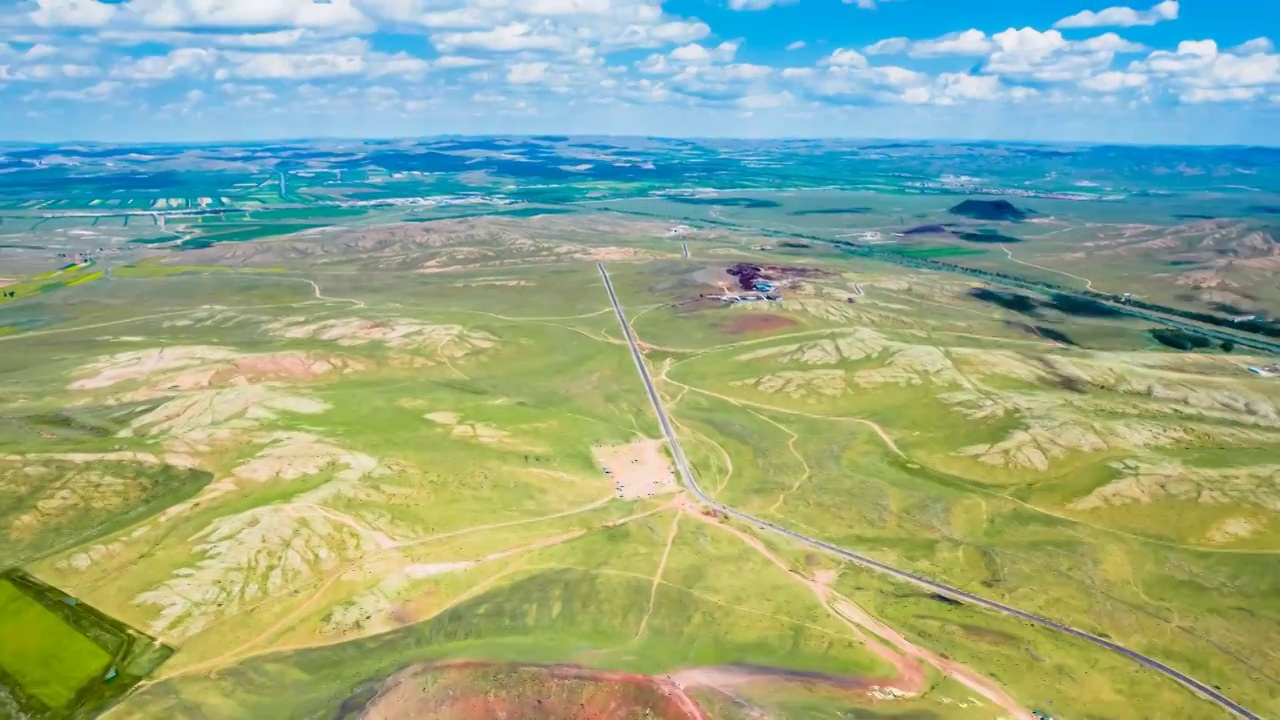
x: 193, y: 367
x: 1148, y: 482
x: 799, y: 383
x: 638, y: 469
x: 460, y: 429
x: 450, y: 341
x: 757, y: 322
x: 486, y: 691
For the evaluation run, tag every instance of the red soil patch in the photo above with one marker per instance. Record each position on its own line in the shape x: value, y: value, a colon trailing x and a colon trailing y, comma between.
x: 750, y: 322
x: 493, y: 691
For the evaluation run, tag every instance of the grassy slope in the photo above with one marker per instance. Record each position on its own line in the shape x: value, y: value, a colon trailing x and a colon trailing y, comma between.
x: 586, y: 595
x: 968, y: 530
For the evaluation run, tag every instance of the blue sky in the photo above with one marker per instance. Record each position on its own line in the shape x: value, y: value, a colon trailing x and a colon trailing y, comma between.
x: 1196, y: 71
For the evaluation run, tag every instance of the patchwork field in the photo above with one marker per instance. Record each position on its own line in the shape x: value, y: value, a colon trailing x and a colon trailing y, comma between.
x: 410, y: 470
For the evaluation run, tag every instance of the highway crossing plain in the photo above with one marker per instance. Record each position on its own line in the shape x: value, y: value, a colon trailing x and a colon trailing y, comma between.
x: 380, y: 445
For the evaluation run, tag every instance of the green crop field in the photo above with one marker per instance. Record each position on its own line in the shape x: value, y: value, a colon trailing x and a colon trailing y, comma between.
x: 45, y: 656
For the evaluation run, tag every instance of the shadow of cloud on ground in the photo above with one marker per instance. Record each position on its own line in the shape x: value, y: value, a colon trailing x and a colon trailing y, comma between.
x: 832, y: 211
x: 1017, y: 302
x: 1081, y: 307
x: 742, y: 202
x: 987, y: 236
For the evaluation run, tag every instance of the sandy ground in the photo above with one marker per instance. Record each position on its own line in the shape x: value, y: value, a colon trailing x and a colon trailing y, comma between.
x: 638, y: 469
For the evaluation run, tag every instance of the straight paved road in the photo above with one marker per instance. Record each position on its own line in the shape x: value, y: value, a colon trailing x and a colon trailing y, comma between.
x: 686, y: 476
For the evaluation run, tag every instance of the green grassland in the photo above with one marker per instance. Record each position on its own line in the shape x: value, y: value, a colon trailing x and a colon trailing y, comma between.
x: 362, y: 450
x: 585, y: 601
x: 1140, y: 573
x: 52, y: 281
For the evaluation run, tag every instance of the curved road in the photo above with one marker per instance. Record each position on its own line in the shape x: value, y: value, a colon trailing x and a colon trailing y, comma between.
x: 686, y: 476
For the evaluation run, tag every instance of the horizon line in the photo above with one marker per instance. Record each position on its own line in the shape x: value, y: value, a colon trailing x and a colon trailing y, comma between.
x: 691, y: 138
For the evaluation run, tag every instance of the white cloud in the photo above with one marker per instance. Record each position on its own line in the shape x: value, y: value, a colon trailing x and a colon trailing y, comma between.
x: 960, y: 86
x: 756, y: 4
x: 1256, y: 45
x: 967, y: 43
x: 889, y: 46
x: 1109, y: 42
x: 970, y: 42
x: 1207, y: 95
x: 80, y: 71
x: 96, y: 92
x: 247, y: 96
x: 797, y: 45
x: 843, y: 57
x: 897, y: 76
x: 453, y: 62
x: 310, y: 66
x: 1199, y: 73
x: 691, y: 53
x: 1121, y: 16
x: 200, y: 14
x: 182, y: 61
x: 638, y: 35
x: 274, y: 39
x: 40, y: 50
x: 186, y: 105
x: 527, y: 73
x: 696, y: 54
x: 512, y: 37
x: 554, y: 8
x: 761, y: 101
x: 72, y: 13
x: 1112, y: 81
x: 1049, y: 57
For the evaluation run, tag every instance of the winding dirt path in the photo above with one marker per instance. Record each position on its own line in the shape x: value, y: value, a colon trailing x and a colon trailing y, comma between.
x: 1088, y: 284
x: 657, y: 576
x: 887, y: 643
x: 875, y: 427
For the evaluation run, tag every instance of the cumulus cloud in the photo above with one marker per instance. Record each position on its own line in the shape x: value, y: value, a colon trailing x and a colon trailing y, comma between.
x: 1121, y: 16
x: 797, y: 45
x: 1199, y: 73
x: 756, y: 4
x: 104, y: 90
x: 527, y: 73
x: 971, y: 43
x: 1113, y: 81
x: 1195, y: 96
x: 183, y: 61
x: 761, y: 101
x: 889, y: 46
x: 1109, y: 42
x: 843, y: 57
x: 200, y: 13
x: 311, y: 66
x: 453, y: 62
x: 272, y: 39
x: 512, y: 37
x: 1256, y: 45
x: 967, y: 43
